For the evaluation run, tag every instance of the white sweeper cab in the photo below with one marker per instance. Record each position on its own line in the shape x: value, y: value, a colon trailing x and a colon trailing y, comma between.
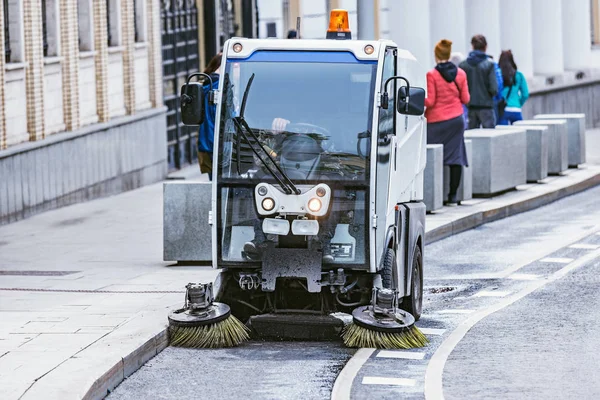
x: 317, y: 216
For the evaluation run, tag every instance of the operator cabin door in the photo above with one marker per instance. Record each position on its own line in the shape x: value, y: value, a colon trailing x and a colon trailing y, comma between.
x: 386, y: 148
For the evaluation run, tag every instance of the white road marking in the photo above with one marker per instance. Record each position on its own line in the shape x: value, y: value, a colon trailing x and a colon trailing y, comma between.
x: 343, y: 383
x: 584, y: 246
x: 534, y: 257
x: 376, y: 380
x: 435, y: 368
x: 557, y: 260
x: 407, y: 355
x: 491, y: 293
x: 457, y: 311
x: 432, y: 331
x: 524, y: 277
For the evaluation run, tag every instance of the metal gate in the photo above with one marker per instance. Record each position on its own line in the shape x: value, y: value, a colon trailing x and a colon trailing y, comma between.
x: 180, y: 58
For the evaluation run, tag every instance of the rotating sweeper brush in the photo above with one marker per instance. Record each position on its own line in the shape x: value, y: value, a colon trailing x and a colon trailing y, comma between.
x: 203, y: 323
x: 383, y: 325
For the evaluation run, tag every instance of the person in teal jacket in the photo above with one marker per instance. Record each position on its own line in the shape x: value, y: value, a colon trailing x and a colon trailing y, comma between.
x: 515, y: 90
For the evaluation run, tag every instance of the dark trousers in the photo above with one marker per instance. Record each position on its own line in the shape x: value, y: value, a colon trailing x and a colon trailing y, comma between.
x: 455, y: 176
x: 481, y: 117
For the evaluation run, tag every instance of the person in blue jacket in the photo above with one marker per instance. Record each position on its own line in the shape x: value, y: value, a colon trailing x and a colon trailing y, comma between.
x: 206, y: 134
x: 500, y: 82
x: 516, y: 91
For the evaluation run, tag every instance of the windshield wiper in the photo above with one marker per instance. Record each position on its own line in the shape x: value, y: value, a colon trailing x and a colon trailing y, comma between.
x: 241, y: 125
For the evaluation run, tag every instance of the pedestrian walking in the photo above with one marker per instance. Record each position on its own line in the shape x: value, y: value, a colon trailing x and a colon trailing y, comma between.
x: 515, y: 93
x: 483, y: 86
x: 447, y: 91
x: 206, y: 133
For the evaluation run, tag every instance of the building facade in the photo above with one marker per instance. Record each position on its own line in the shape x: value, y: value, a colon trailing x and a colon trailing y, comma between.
x: 89, y: 93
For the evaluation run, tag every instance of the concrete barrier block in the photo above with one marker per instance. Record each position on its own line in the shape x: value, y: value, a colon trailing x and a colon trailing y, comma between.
x: 433, y: 195
x: 497, y: 163
x: 575, y: 135
x: 537, y: 150
x: 558, y: 156
x: 465, y: 189
x: 186, y: 232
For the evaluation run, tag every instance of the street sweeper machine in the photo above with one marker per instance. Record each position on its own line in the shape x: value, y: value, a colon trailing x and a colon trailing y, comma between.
x: 317, y: 214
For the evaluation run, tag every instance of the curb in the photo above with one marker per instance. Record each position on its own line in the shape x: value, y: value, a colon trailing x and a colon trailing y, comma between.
x: 494, y: 214
x: 130, y: 363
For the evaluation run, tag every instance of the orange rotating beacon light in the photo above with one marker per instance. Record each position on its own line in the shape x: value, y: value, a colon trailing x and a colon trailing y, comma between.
x: 339, y: 26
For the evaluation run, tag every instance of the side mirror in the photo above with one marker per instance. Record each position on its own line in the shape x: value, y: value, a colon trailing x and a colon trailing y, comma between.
x: 412, y: 103
x: 192, y: 103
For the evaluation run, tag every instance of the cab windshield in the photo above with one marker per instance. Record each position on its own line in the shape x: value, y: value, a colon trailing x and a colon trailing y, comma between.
x: 307, y: 112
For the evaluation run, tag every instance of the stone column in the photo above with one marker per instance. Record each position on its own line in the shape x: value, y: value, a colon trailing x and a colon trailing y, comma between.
x: 69, y: 35
x: 34, y: 73
x: 155, y: 52
x: 408, y: 22
x: 576, y: 19
x: 517, y: 34
x: 3, y: 135
x: 547, y: 37
x: 128, y: 35
x: 448, y: 22
x: 101, y: 60
x: 483, y: 17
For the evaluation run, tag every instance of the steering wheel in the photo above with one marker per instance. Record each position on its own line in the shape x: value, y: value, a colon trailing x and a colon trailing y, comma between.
x: 321, y: 134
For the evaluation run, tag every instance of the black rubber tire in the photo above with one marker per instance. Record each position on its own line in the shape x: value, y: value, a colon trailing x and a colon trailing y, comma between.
x: 388, y: 276
x: 413, y: 303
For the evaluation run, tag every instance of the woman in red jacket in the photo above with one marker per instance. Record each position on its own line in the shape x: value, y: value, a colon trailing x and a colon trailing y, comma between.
x: 447, y: 91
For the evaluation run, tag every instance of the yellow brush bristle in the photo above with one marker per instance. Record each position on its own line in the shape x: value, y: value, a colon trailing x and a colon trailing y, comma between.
x: 357, y: 336
x: 228, y: 333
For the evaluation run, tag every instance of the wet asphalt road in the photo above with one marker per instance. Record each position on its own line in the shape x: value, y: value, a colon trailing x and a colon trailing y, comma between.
x: 541, y: 346
x: 544, y: 346
x: 255, y: 370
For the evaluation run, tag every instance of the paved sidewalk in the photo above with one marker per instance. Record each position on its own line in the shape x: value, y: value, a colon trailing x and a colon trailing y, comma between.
x: 84, y: 294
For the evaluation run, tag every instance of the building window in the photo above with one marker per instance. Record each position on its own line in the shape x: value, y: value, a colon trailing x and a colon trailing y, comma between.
x: 44, y: 28
x: 6, y: 34
x: 113, y: 22
x: 271, y: 29
x: 50, y: 27
x: 139, y: 20
x: 85, y: 25
x: 13, y: 31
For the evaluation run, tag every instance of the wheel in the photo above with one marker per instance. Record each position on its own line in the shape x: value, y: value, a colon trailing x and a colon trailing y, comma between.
x: 413, y: 303
x: 388, y: 274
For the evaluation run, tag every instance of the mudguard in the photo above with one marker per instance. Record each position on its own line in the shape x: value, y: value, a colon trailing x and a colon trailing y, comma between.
x: 415, y: 237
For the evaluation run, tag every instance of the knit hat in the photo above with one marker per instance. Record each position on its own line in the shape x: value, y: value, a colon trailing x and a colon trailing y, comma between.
x: 443, y: 49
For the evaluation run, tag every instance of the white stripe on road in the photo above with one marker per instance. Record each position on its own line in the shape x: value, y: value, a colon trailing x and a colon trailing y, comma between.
x: 435, y: 368
x: 557, y: 260
x: 584, y: 246
x: 461, y: 311
x: 491, y: 293
x: 407, y: 355
x: 524, y: 277
x: 343, y: 383
x: 377, y: 380
x: 432, y: 331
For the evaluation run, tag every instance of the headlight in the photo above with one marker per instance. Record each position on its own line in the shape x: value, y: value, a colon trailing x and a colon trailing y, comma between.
x: 268, y: 204
x: 314, y: 205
